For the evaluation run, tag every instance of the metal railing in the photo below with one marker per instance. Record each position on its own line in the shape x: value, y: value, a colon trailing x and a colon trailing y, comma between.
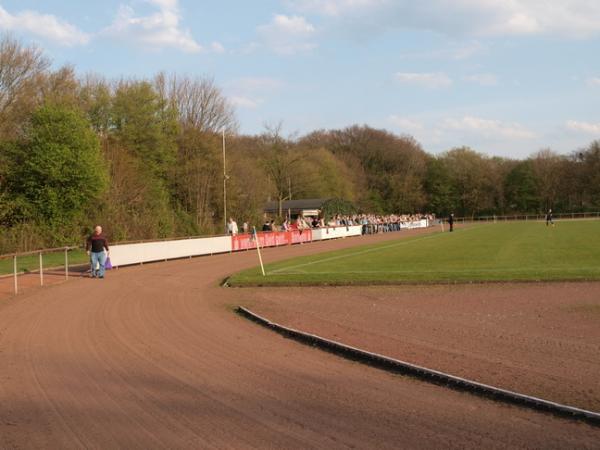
x: 529, y: 217
x: 16, y: 256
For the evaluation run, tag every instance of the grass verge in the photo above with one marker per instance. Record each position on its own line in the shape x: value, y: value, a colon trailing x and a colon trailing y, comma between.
x: 521, y: 251
x: 31, y: 263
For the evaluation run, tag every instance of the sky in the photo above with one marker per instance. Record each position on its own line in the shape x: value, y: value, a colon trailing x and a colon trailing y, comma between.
x: 504, y: 77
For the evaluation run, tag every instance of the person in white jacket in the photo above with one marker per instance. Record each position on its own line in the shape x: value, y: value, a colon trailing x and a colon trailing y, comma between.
x: 232, y: 227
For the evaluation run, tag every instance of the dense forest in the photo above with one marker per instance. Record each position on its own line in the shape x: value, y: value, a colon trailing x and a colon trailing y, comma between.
x: 144, y: 158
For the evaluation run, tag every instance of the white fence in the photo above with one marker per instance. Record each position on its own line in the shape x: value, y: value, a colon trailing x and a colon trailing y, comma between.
x: 126, y: 254
x: 320, y: 234
x: 423, y: 223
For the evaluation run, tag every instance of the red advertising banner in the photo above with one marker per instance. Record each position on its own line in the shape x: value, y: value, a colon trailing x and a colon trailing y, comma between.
x: 299, y: 236
x: 270, y: 239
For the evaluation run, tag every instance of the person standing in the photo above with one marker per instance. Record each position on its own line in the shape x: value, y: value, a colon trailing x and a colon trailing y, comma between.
x: 97, y: 249
x: 232, y: 227
x: 549, y: 218
x: 451, y: 221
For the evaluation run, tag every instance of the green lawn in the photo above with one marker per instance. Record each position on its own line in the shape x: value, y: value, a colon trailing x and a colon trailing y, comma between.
x: 520, y: 251
x: 32, y: 262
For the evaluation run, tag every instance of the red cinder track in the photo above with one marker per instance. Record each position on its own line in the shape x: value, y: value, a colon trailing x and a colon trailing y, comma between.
x: 154, y: 357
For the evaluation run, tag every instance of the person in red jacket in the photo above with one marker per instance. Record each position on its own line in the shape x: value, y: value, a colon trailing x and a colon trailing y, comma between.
x: 97, y: 249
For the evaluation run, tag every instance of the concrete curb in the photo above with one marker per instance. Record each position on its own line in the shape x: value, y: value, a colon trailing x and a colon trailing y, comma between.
x: 425, y: 374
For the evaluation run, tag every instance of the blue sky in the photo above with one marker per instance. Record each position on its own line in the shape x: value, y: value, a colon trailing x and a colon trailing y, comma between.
x: 505, y: 77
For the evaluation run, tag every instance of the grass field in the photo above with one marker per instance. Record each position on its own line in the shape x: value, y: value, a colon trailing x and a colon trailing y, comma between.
x: 519, y: 251
x: 32, y: 262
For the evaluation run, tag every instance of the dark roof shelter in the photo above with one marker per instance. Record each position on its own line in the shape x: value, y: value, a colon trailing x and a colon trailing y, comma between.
x: 304, y: 207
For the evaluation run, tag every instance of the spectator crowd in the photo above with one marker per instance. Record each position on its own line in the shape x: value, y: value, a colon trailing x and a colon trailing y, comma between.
x: 371, y: 223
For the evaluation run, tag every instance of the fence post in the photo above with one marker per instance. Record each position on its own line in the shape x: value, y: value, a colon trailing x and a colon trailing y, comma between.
x: 15, y: 274
x: 66, y: 263
x: 41, y: 271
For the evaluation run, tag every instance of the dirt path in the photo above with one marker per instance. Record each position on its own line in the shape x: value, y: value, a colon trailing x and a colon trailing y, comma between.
x: 537, y: 339
x: 153, y: 357
x: 30, y: 281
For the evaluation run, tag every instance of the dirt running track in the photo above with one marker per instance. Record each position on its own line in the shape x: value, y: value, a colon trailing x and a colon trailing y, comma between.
x: 153, y: 357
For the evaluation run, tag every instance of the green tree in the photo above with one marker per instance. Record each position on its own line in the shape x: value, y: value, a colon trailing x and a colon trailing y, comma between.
x: 469, y: 175
x: 588, y: 161
x: 95, y: 98
x: 57, y: 172
x: 438, y: 185
x: 323, y: 176
x: 280, y: 162
x: 21, y: 69
x: 391, y: 169
x: 547, y: 168
x: 335, y: 206
x: 520, y: 188
x: 197, y: 177
x: 146, y: 125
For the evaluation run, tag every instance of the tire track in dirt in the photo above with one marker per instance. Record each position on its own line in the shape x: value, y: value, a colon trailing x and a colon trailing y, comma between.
x: 153, y: 357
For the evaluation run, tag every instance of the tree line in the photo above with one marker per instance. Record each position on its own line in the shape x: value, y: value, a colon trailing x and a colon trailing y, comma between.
x: 143, y: 157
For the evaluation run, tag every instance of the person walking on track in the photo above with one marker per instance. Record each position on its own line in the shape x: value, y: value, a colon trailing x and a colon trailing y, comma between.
x: 97, y: 249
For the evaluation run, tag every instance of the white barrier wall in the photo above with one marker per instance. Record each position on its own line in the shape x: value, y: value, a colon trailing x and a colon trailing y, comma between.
x: 423, y: 223
x: 336, y: 232
x: 125, y: 254
x: 121, y: 255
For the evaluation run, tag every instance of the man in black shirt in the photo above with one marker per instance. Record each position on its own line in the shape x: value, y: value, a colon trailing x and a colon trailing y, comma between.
x: 451, y: 221
x: 95, y: 246
x: 549, y: 218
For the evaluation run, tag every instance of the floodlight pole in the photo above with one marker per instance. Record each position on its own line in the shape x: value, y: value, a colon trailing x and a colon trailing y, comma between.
x: 224, y: 185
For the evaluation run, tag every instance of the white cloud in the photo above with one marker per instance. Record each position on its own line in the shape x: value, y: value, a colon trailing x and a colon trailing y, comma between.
x: 250, y: 92
x: 467, y: 51
x: 428, y: 80
x: 288, y: 35
x: 573, y: 18
x: 593, y: 81
x: 217, y: 47
x: 439, y: 131
x: 158, y: 30
x: 483, y: 79
x: 336, y: 7
x: 489, y: 129
x: 406, y: 124
x: 255, y: 84
x: 456, y: 52
x: 45, y: 26
x: 167, y: 4
x: 586, y: 127
x: 245, y: 102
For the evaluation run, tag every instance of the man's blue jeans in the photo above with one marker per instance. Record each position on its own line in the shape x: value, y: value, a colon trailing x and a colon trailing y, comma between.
x: 98, y: 259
